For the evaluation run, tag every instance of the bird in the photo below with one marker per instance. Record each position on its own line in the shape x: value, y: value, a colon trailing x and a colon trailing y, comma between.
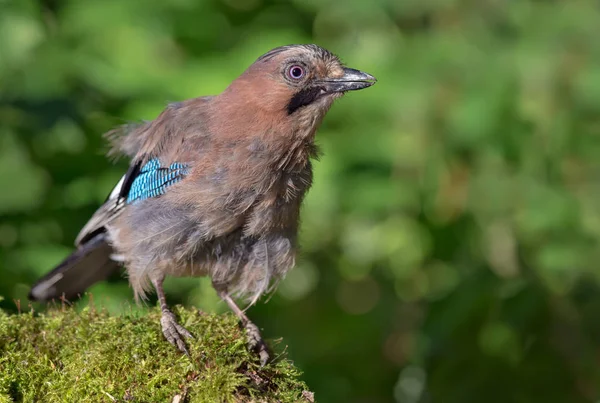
x: 214, y: 188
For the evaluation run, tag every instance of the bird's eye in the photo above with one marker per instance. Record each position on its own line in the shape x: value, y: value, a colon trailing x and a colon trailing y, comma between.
x: 296, y: 72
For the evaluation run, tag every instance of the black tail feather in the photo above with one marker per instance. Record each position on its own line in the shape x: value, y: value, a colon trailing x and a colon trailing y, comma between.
x: 89, y: 264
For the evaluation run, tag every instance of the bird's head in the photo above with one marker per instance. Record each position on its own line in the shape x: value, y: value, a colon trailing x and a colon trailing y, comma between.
x: 297, y: 82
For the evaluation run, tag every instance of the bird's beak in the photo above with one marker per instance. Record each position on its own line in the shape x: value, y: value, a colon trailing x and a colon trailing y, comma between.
x: 351, y: 80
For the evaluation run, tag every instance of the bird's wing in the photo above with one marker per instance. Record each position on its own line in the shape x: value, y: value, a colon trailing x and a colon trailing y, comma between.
x: 139, y: 183
x: 147, y: 176
x: 94, y: 260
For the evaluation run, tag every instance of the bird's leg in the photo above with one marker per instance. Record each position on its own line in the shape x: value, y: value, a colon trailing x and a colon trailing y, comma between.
x: 172, y: 330
x: 255, y: 341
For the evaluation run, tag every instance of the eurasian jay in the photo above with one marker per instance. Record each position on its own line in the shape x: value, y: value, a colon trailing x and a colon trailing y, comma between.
x: 214, y: 188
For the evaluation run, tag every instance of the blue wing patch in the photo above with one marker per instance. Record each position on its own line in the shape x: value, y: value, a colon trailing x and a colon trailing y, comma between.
x: 154, y: 179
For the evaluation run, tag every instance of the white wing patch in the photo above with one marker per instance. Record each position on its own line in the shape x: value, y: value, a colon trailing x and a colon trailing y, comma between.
x: 111, y: 208
x: 115, y: 192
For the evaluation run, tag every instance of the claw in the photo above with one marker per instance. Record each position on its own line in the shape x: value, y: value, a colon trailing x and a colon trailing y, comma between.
x: 256, y: 343
x: 173, y: 331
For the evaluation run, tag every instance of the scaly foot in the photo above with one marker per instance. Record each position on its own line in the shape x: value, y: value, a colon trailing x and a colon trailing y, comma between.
x: 173, y: 331
x: 256, y: 343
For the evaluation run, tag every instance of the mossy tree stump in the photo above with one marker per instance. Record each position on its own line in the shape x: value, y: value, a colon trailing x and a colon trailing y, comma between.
x: 66, y: 355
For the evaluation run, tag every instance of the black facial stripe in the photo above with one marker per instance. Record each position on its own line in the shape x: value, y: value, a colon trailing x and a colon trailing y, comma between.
x: 303, y: 97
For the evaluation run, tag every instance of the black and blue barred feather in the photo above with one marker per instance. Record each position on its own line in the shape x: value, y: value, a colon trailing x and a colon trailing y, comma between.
x: 153, y: 180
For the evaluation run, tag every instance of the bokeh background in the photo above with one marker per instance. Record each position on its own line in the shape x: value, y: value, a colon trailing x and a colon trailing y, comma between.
x: 451, y: 240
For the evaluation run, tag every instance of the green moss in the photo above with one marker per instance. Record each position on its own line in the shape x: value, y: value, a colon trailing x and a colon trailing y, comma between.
x: 66, y: 355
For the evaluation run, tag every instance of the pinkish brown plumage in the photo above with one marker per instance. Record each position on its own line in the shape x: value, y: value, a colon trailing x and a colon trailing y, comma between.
x: 214, y: 187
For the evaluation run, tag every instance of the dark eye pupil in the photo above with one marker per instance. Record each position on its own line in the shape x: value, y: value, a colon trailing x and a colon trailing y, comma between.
x: 296, y: 72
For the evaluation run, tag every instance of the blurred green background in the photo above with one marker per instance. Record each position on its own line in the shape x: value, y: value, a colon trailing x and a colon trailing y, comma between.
x: 451, y: 239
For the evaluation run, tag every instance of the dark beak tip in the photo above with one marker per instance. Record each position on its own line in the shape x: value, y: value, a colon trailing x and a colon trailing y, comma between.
x: 369, y: 77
